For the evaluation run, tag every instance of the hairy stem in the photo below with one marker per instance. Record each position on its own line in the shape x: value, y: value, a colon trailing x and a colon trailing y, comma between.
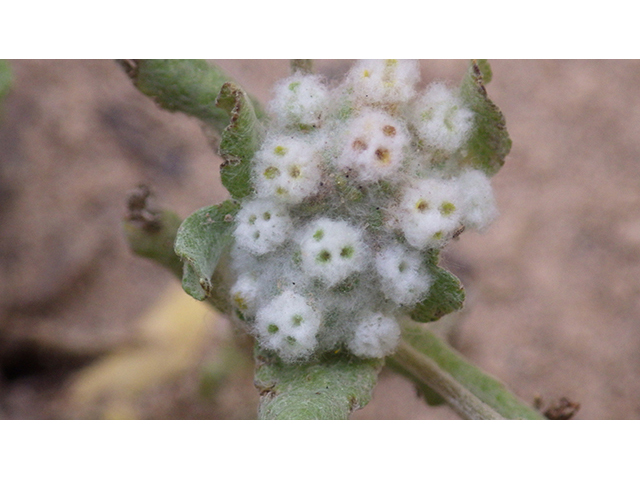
x: 472, y: 393
x: 150, y: 232
x: 188, y: 86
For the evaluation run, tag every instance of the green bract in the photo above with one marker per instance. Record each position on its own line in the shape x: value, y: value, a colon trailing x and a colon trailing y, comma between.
x: 240, y: 140
x: 201, y: 240
x: 490, y: 142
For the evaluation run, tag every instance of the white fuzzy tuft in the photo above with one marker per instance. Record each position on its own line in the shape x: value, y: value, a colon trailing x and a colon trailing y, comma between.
x: 332, y: 250
x: 245, y: 294
x: 287, y: 169
x: 262, y: 226
x: 288, y: 325
x: 374, y: 146
x: 441, y: 120
x: 478, y: 204
x: 403, y: 277
x: 384, y: 81
x: 300, y: 100
x: 429, y: 213
x: 376, y: 336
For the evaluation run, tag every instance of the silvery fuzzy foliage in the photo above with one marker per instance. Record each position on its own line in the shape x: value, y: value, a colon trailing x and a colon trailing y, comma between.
x: 354, y: 187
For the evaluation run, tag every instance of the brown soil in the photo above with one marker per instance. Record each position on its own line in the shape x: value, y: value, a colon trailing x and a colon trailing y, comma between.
x: 553, y: 287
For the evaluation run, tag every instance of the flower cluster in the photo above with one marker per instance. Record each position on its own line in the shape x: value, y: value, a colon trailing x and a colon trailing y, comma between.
x: 354, y: 185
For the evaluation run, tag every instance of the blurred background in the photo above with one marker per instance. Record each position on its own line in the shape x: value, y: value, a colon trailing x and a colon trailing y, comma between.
x: 89, y: 330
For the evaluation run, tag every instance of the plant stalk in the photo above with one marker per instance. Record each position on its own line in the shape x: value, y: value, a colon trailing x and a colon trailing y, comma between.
x: 472, y: 393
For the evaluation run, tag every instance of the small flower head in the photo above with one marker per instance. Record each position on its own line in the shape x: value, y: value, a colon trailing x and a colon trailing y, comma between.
x: 286, y: 170
x: 441, y: 120
x: 300, y: 101
x: 245, y: 294
x: 331, y: 250
x: 429, y: 213
x: 376, y: 336
x: 384, y: 81
x: 374, y: 147
x: 288, y: 325
x: 403, y: 276
x: 476, y: 195
x: 262, y: 226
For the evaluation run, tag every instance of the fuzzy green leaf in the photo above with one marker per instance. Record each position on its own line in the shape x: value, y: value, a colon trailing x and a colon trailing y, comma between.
x: 201, y: 241
x: 330, y: 390
x: 446, y: 294
x: 489, y: 143
x: 240, y: 140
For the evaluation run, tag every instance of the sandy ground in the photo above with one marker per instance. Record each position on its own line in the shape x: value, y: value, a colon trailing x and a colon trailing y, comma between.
x: 553, y: 286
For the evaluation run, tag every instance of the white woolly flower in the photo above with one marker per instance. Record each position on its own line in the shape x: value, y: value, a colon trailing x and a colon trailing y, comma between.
x: 262, y: 226
x: 429, y: 213
x: 376, y: 336
x: 476, y: 198
x: 441, y: 120
x: 245, y: 294
x: 374, y: 146
x: 300, y: 100
x: 386, y: 81
x: 403, y: 277
x: 286, y: 169
x: 332, y: 250
x: 288, y: 325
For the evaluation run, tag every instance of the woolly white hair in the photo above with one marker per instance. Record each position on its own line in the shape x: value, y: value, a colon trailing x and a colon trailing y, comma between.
x: 288, y: 325
x: 262, y: 226
x: 332, y: 250
x: 440, y: 118
x: 245, y: 293
x: 384, y: 81
x: 376, y: 336
x: 429, y: 213
x: 300, y: 100
x: 477, y: 201
x: 403, y: 277
x: 374, y: 146
x: 286, y: 169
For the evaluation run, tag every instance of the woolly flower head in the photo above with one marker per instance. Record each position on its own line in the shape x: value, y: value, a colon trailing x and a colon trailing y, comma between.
x: 440, y: 118
x: 288, y: 325
x: 478, y: 203
x: 286, y: 169
x: 386, y: 81
x: 262, y: 226
x: 350, y: 201
x: 374, y: 146
x: 375, y: 336
x: 429, y: 213
x: 403, y: 277
x: 332, y: 250
x: 300, y: 101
